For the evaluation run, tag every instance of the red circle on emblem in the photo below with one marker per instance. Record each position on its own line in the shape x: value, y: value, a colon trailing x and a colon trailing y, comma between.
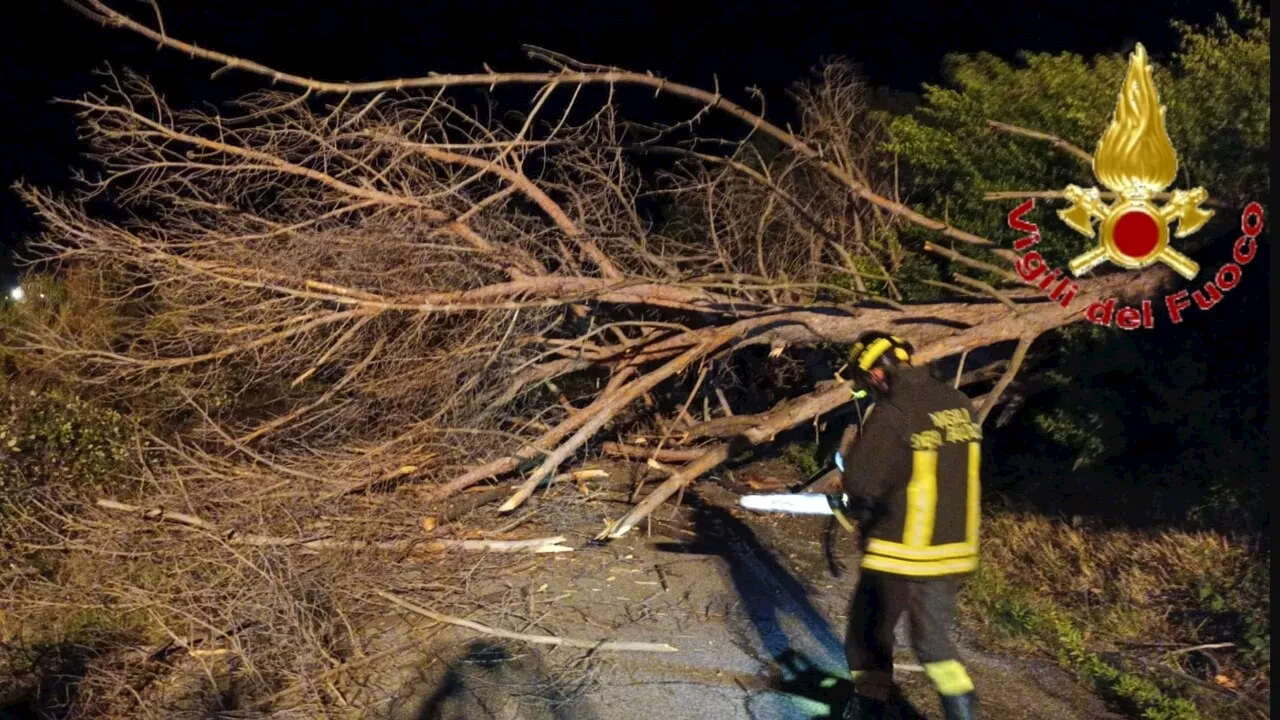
x: 1136, y: 234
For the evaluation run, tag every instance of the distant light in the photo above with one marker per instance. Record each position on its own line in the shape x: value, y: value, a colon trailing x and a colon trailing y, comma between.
x: 17, y: 294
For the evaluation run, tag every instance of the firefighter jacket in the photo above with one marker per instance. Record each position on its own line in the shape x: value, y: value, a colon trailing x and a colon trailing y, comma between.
x: 917, y: 462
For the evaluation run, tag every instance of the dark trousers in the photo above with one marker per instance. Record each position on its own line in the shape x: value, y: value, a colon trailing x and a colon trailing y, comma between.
x: 878, y: 602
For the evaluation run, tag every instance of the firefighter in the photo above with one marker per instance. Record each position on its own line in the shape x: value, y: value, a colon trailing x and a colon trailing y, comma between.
x: 912, y: 482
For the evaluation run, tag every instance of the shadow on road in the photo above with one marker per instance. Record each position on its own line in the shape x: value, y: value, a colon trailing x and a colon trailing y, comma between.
x: 799, y: 686
x: 494, y: 680
x: 54, y: 696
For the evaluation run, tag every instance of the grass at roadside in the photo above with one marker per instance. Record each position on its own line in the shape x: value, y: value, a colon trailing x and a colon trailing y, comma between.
x: 1116, y: 605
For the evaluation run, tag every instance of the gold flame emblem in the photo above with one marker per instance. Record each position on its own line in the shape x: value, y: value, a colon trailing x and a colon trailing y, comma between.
x: 1135, y: 160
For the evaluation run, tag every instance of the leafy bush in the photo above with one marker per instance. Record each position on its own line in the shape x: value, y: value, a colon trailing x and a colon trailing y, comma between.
x: 803, y: 457
x: 57, y: 446
x: 53, y: 437
x: 1216, y: 88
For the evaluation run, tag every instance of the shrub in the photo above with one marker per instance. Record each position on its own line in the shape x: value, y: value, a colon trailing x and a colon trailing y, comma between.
x: 53, y: 437
x: 1090, y: 595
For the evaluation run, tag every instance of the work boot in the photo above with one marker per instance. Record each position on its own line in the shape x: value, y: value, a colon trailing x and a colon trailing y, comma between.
x: 960, y: 707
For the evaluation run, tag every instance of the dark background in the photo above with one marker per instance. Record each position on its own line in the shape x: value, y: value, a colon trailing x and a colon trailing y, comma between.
x: 51, y: 51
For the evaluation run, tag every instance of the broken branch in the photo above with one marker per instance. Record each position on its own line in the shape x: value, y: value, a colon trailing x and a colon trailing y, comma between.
x: 602, y: 645
x: 1053, y: 140
x: 993, y: 397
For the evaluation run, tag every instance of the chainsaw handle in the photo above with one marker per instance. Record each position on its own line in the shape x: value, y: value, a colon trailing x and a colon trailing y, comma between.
x: 839, y: 503
x: 839, y: 516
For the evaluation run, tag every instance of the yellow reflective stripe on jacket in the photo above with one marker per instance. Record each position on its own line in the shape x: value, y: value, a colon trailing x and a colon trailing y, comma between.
x: 915, y: 556
x: 925, y: 568
x: 922, y: 498
x: 975, y: 491
x: 899, y: 551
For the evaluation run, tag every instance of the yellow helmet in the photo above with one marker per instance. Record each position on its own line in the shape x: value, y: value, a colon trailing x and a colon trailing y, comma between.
x: 879, y: 349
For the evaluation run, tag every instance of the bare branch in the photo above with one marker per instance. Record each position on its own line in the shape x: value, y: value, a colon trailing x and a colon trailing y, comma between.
x: 610, y: 77
x: 1058, y: 195
x: 1053, y: 140
x: 604, y: 645
x: 987, y: 288
x: 971, y: 262
x: 1015, y: 363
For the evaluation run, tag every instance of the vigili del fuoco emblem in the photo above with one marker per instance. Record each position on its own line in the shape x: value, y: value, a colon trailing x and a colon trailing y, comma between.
x: 1135, y: 160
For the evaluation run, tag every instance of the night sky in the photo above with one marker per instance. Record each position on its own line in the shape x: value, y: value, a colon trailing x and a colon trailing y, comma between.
x: 51, y: 51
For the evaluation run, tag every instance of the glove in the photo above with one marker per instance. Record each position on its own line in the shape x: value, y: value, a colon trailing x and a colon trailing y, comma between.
x: 857, y: 509
x: 840, y: 509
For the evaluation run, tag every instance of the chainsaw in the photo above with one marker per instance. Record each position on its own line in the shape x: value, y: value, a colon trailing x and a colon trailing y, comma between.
x: 829, y: 504
x: 832, y: 505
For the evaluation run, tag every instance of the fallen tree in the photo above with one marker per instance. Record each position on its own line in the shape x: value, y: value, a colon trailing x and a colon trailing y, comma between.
x: 390, y: 290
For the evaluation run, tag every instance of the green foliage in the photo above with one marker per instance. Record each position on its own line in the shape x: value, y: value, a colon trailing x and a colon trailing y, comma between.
x: 912, y: 275
x: 954, y: 158
x: 1141, y: 693
x: 803, y: 457
x: 1080, y: 432
x: 1184, y: 416
x: 1238, y: 607
x: 1011, y: 615
x: 44, y: 295
x: 58, y: 444
x: 53, y: 437
x: 1019, y: 616
x: 1220, y: 105
x: 1216, y: 90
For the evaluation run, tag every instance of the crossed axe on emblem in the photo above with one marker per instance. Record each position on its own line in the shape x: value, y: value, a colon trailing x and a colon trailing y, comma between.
x: 1135, y: 232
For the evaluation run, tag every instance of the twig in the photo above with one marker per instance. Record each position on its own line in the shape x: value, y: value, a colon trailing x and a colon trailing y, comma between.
x: 638, y: 452
x: 537, y: 545
x: 1053, y: 140
x: 952, y: 287
x: 521, y: 520
x: 464, y: 505
x: 966, y: 260
x: 159, y: 514
x: 469, y: 502
x: 724, y: 402
x: 398, y: 648
x: 1197, y: 648
x: 624, y: 396
x: 1019, y: 354
x: 529, y: 451
x: 710, y: 459
x: 1207, y: 685
x: 490, y: 79
x: 606, y: 645
x: 684, y: 409
x: 1133, y: 643
x: 397, y: 474
x: 1004, y: 299
x: 960, y: 367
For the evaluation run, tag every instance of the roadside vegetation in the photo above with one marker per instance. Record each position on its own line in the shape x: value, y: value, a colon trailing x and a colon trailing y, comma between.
x: 1126, y: 530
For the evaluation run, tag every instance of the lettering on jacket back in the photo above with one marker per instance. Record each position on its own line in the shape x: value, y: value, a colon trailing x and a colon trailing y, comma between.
x: 949, y: 426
